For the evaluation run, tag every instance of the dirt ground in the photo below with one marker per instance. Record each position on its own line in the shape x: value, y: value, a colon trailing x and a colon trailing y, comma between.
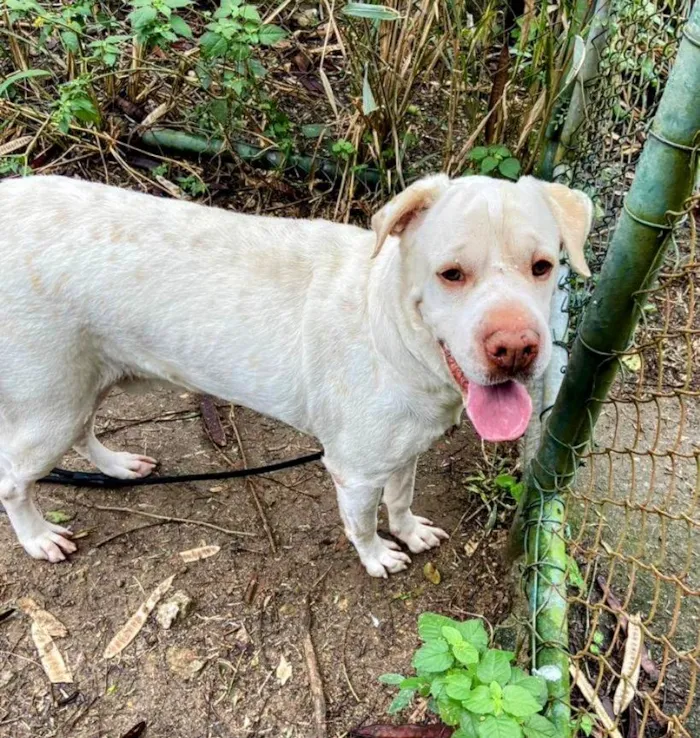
x: 216, y: 672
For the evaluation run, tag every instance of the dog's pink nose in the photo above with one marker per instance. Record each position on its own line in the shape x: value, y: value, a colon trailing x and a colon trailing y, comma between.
x: 512, y: 351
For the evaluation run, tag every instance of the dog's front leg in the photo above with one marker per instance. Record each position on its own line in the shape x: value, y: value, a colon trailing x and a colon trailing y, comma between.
x: 418, y: 533
x: 41, y: 539
x: 358, y: 505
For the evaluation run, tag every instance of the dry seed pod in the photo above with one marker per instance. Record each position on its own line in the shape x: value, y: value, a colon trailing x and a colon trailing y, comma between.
x: 127, y: 634
x: 195, y: 554
x: 593, y: 700
x: 631, y: 664
x: 50, y: 657
x: 51, y: 624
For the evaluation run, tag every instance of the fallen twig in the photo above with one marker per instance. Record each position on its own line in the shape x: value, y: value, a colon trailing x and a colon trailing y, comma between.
x: 107, y: 540
x: 315, y: 683
x: 249, y: 483
x: 168, y: 519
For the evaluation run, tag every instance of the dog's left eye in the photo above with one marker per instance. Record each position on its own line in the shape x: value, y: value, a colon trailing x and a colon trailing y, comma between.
x: 541, y: 268
x: 452, y: 275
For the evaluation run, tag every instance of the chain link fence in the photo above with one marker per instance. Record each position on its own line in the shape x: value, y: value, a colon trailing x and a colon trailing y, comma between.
x: 633, y: 517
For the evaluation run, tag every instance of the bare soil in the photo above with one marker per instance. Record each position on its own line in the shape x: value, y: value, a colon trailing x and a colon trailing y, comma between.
x: 249, y: 600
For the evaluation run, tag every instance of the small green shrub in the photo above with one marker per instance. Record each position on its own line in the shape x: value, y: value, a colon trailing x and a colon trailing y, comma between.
x: 155, y: 23
x: 236, y: 28
x: 471, y: 685
x: 75, y: 102
x: 493, y: 161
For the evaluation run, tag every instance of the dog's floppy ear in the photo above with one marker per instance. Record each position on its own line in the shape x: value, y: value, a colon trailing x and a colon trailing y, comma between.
x: 573, y: 211
x: 397, y: 214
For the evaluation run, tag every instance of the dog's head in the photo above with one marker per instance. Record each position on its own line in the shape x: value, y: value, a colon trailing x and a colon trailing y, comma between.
x: 480, y: 258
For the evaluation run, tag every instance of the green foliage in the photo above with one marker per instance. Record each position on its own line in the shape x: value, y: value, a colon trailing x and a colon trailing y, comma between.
x: 13, y: 79
x: 343, y: 150
x: 472, y: 686
x: 235, y: 30
x: 510, y: 484
x: 192, y: 185
x: 75, y: 103
x: 494, y: 161
x: 155, y: 24
x: 14, y: 165
x: 108, y: 50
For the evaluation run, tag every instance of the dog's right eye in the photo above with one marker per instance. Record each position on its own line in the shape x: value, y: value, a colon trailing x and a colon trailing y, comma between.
x: 452, y: 275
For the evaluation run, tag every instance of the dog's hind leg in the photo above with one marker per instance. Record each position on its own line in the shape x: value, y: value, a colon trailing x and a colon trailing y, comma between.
x: 416, y: 532
x: 118, y: 464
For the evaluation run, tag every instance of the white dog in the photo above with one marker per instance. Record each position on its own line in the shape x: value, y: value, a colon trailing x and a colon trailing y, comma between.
x: 369, y: 341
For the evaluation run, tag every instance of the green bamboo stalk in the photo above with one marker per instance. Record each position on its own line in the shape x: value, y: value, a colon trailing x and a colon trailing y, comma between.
x: 663, y: 181
x: 193, y: 145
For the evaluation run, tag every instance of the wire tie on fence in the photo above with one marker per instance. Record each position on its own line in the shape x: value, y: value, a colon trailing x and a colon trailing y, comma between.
x: 647, y: 223
x: 668, y: 142
x: 590, y: 348
x: 692, y: 39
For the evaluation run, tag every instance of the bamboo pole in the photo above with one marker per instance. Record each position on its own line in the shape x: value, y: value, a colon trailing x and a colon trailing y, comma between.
x: 164, y: 139
x: 662, y: 183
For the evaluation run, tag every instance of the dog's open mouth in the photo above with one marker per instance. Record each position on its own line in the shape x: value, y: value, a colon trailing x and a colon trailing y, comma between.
x: 499, y: 412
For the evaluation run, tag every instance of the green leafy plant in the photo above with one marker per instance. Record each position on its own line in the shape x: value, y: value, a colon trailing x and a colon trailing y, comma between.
x: 108, y: 50
x: 192, y: 185
x: 236, y: 28
x: 155, y: 23
x: 75, y: 102
x: 583, y: 724
x: 471, y: 685
x: 510, y: 484
x: 494, y: 161
x: 14, y: 164
x: 343, y: 150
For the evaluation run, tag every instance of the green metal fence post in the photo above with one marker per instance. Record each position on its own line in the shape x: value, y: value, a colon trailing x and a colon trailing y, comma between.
x: 662, y: 182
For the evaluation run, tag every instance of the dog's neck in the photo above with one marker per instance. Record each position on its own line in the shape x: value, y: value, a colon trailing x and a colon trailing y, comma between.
x: 399, y: 334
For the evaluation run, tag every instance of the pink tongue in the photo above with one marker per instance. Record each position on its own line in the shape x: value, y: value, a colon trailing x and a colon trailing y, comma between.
x: 500, y: 412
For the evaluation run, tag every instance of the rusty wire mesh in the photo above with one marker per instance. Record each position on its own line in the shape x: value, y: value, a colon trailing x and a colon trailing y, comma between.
x: 634, y: 512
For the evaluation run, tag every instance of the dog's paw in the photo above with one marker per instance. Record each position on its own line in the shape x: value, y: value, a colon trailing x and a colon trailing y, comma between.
x: 52, y: 543
x: 419, y: 534
x: 384, y: 557
x: 123, y: 465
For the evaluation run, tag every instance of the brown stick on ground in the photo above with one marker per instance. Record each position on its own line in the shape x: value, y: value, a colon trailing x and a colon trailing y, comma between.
x: 315, y: 684
x: 212, y: 421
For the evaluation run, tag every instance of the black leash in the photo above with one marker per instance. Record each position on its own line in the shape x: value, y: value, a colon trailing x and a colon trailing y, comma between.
x: 97, y: 479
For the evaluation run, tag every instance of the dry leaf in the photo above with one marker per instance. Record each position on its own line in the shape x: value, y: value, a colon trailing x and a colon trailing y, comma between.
x: 283, y: 671
x: 155, y: 115
x: 631, y: 665
x: 50, y: 657
x: 431, y: 573
x: 127, y: 634
x: 43, y: 618
x: 329, y: 91
x: 195, y: 554
x: 172, y: 189
x: 593, y: 700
